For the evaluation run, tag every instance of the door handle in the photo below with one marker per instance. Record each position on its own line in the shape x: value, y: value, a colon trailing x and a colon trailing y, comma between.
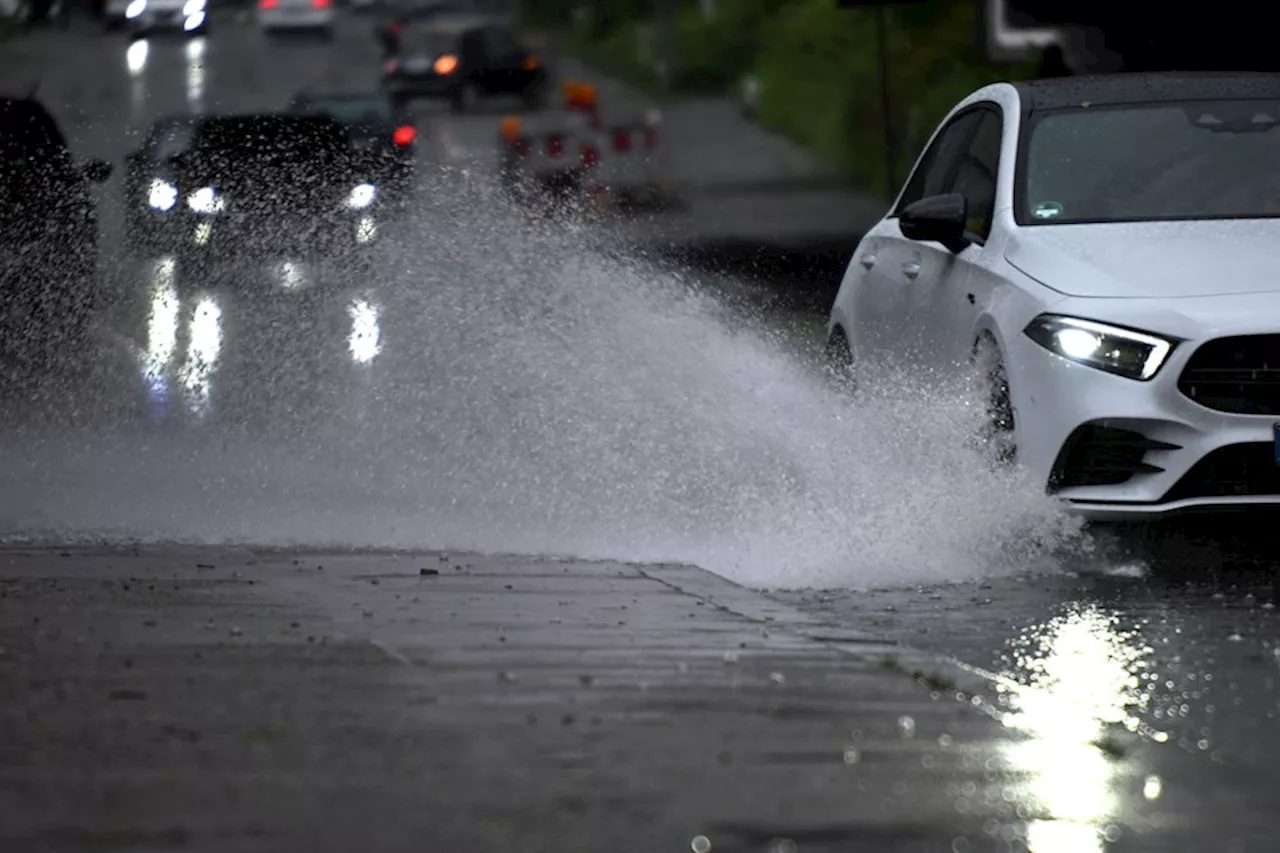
x: 911, y: 270
x: 868, y: 260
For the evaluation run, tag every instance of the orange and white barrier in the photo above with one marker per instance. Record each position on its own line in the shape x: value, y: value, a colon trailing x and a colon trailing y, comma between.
x: 606, y: 163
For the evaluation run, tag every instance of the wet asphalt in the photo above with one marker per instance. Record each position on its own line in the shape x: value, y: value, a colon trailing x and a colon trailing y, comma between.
x: 1138, y: 710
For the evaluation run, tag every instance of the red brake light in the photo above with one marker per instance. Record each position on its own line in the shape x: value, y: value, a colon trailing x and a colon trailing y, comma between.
x: 555, y: 146
x: 268, y: 4
x: 622, y: 140
x: 404, y: 134
x: 319, y: 4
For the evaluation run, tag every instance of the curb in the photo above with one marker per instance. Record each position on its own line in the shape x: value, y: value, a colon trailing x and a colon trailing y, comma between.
x: 939, y: 674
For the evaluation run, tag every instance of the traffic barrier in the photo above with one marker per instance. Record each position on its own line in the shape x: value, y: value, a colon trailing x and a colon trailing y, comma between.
x: 581, y: 155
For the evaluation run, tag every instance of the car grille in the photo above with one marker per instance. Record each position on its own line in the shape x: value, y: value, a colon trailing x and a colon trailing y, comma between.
x: 1099, y: 455
x: 1237, y: 470
x: 1239, y: 375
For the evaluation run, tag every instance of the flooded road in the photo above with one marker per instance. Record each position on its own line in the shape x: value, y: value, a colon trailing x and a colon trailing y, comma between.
x: 488, y: 383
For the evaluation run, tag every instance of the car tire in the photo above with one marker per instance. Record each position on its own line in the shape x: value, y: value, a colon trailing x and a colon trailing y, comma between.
x: 535, y: 97
x: 465, y: 98
x: 838, y: 358
x: 997, y: 435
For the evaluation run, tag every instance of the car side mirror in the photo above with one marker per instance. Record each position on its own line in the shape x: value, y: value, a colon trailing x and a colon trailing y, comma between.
x: 938, y: 218
x: 96, y: 170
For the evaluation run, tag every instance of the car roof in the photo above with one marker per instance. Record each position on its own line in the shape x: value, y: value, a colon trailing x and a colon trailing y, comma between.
x: 1134, y: 88
x: 457, y: 23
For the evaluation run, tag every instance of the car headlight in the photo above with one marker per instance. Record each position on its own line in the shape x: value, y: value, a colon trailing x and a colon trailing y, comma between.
x: 1124, y: 352
x: 162, y: 195
x: 361, y: 196
x: 136, y: 8
x: 192, y: 7
x: 204, y: 200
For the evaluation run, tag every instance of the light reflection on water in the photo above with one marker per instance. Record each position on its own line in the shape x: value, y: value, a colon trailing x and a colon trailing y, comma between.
x: 203, y: 348
x: 203, y: 343
x: 1075, y: 680
x: 195, y: 50
x: 365, y: 340
x: 136, y: 57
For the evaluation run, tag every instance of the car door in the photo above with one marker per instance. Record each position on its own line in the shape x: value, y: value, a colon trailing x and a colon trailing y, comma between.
x: 894, y: 269
x: 950, y: 306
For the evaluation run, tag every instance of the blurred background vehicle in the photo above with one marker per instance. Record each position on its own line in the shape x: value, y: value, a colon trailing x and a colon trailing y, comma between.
x: 383, y: 136
x: 114, y: 14
x: 248, y: 186
x: 147, y: 16
x: 395, y: 15
x: 275, y: 16
x: 48, y: 228
x: 464, y: 59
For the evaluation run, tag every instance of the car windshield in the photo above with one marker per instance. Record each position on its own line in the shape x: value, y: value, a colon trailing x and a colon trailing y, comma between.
x: 1155, y: 161
x: 299, y: 152
x: 353, y: 109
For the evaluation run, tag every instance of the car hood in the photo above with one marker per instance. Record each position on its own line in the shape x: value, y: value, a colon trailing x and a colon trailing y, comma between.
x: 1151, y: 260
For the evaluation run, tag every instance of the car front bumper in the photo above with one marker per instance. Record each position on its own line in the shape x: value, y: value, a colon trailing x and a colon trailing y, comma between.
x: 1113, y: 448
x: 296, y: 18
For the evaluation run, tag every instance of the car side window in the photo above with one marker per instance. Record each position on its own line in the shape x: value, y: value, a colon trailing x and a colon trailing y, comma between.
x: 979, y: 165
x: 935, y: 171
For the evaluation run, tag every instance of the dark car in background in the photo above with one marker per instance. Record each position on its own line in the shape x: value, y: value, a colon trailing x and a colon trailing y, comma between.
x: 48, y: 229
x: 464, y: 58
x: 243, y: 187
x: 396, y: 15
x: 382, y: 135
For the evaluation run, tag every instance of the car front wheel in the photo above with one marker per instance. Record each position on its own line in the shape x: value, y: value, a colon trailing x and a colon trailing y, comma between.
x: 997, y: 433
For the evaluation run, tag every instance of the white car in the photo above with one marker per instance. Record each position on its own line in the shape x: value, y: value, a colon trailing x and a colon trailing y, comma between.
x: 277, y: 15
x: 1105, y: 252
x: 145, y: 16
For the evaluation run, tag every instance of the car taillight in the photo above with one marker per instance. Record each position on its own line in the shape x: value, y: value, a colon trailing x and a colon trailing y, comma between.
x: 590, y: 156
x: 446, y: 64
x: 555, y: 145
x: 530, y: 63
x: 319, y: 4
x: 622, y: 140
x: 268, y: 4
x: 404, y: 134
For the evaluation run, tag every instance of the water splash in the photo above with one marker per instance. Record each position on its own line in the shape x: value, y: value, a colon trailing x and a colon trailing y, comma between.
x: 537, y: 389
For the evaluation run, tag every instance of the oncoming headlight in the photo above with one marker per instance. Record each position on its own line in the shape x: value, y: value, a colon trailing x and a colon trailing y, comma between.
x: 192, y: 7
x: 162, y: 195
x: 361, y: 196
x: 204, y: 200
x: 1124, y: 352
x: 135, y: 8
